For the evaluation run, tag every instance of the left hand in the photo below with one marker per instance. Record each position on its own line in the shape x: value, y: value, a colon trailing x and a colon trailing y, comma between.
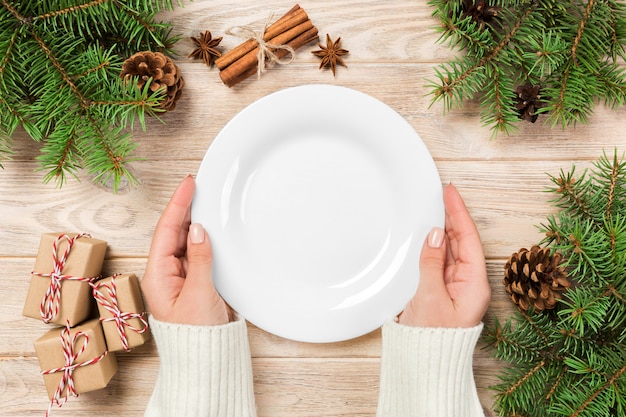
x: 178, y: 283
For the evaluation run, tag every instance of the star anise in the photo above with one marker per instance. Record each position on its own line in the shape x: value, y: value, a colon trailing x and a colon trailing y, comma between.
x: 528, y: 101
x: 206, y: 48
x: 331, y: 54
x: 480, y: 11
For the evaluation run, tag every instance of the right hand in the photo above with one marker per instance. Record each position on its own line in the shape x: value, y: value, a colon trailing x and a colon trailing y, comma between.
x: 453, y: 290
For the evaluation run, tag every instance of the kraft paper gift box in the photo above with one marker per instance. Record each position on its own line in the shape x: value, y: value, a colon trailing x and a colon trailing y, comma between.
x: 96, y: 365
x: 119, y: 296
x: 83, y: 262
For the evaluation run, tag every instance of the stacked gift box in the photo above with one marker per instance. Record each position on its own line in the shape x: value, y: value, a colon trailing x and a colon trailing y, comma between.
x: 78, y: 354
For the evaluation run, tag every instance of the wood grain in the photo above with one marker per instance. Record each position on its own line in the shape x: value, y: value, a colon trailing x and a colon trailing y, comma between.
x: 393, y: 53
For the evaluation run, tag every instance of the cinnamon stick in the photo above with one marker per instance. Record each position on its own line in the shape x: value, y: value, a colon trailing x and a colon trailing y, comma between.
x: 297, y: 42
x: 291, y: 19
x: 250, y: 59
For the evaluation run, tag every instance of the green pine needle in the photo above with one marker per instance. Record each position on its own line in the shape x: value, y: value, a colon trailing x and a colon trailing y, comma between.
x: 60, y: 62
x: 571, y: 49
x: 571, y: 361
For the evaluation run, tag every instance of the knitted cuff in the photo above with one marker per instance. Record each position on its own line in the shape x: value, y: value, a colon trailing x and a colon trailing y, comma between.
x: 204, y: 371
x: 428, y: 372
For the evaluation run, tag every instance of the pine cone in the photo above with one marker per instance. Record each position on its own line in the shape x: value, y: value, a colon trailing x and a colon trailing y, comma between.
x: 164, y: 73
x: 533, y: 277
x: 528, y: 101
x: 480, y: 12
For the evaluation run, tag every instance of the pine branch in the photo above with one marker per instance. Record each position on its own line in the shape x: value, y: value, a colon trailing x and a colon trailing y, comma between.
x: 58, y: 157
x: 570, y: 361
x: 69, y: 10
x: 569, y: 49
x: 572, y: 193
x: 460, y: 82
x: 581, y: 28
x: 59, y: 80
x: 524, y: 378
x: 498, y: 102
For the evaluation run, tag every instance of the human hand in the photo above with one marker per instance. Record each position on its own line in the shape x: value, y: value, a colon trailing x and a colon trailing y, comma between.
x: 178, y: 282
x: 453, y: 290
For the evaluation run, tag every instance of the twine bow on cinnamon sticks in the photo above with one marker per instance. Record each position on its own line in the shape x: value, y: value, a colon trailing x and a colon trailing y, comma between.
x: 277, y: 40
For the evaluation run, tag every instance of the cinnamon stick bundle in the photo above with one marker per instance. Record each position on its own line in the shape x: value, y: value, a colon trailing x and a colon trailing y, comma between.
x: 294, y: 29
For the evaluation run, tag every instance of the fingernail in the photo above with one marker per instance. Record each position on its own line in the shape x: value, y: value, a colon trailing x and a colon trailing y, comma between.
x: 196, y: 233
x: 435, y: 237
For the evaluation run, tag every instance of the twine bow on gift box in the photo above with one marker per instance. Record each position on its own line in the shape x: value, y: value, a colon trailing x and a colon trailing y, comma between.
x: 50, y: 304
x: 111, y: 304
x: 68, y: 344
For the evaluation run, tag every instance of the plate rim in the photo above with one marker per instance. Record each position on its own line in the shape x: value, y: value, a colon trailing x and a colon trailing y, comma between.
x: 213, y: 151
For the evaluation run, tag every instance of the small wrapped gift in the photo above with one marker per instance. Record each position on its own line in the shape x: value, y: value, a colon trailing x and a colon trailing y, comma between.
x: 60, y: 288
x: 122, y: 311
x: 74, y: 360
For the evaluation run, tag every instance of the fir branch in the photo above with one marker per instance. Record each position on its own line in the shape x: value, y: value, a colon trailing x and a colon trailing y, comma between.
x: 70, y: 9
x: 500, y: 113
x: 611, y: 194
x: 569, y: 49
x: 612, y: 84
x: 573, y: 363
x: 62, y: 85
x: 464, y: 34
x: 611, y: 290
x: 611, y: 174
x: 518, y: 346
x: 15, y: 13
x: 97, y: 68
x: 572, y: 193
x: 531, y: 320
x: 511, y: 33
x: 456, y: 86
x: 557, y: 382
x: 583, y: 311
x: 574, y: 97
x: 81, y: 100
x: 9, y: 52
x: 524, y: 378
x: 579, y: 33
x: 545, y: 54
x: 593, y: 396
x: 58, y: 156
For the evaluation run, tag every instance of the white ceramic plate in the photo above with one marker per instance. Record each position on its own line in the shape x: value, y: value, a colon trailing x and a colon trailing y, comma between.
x: 317, y: 200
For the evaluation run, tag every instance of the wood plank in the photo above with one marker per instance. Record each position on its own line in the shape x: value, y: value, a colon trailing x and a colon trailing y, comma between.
x: 207, y: 105
x: 389, y: 31
x: 283, y: 387
x: 17, y: 333
x: 393, y: 54
x: 506, y: 198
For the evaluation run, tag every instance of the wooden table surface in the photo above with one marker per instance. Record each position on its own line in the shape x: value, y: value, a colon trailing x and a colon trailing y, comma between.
x: 393, y: 51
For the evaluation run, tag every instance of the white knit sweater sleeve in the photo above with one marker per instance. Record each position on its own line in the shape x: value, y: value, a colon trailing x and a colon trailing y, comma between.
x: 204, y: 371
x: 427, y: 372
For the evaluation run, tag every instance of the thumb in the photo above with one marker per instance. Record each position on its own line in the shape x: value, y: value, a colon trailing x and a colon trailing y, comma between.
x: 432, y: 263
x: 431, y: 290
x: 199, y: 253
x: 198, y: 298
x: 199, y: 261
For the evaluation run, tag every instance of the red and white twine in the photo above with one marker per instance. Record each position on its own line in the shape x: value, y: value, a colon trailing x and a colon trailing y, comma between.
x: 51, y: 302
x: 68, y: 342
x: 121, y: 318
